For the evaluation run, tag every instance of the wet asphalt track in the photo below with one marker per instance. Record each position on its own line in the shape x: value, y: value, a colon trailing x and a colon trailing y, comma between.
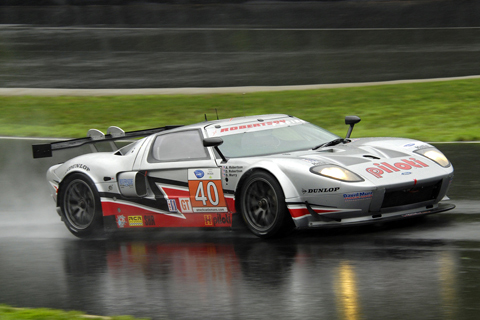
x: 422, y: 269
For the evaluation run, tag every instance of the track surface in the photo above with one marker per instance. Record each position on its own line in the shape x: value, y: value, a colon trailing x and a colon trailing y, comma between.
x: 430, y: 265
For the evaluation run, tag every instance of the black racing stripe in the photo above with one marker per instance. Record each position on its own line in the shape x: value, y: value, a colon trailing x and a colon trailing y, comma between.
x: 312, y: 204
x: 167, y: 181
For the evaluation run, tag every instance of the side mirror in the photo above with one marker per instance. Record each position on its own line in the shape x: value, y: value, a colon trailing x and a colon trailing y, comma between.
x: 212, y: 142
x: 351, y: 120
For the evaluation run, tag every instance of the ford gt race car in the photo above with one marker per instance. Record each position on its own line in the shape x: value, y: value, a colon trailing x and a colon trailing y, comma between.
x: 277, y: 171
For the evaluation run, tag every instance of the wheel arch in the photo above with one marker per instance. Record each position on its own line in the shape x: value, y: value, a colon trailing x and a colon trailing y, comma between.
x: 61, y: 185
x: 89, y: 222
x: 288, y: 188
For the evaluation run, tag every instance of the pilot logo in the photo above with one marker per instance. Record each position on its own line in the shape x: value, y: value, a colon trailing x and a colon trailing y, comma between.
x: 222, y: 219
x: 405, y: 164
x: 199, y: 173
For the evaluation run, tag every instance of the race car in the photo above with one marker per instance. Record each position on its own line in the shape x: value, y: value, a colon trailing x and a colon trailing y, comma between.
x: 276, y: 171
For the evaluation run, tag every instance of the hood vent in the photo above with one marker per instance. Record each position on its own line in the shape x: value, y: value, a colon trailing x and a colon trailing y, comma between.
x: 371, y: 157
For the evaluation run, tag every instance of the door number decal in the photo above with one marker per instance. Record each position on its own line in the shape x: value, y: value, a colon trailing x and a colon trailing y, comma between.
x: 206, y: 193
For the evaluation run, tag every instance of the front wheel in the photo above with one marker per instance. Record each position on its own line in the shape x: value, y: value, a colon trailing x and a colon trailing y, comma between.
x: 81, y: 207
x: 262, y: 204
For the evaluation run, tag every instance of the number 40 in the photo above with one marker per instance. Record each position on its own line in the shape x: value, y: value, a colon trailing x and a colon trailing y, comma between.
x: 200, y: 194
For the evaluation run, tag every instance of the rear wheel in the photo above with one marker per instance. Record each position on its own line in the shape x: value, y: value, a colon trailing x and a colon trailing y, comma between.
x: 81, y: 207
x: 262, y: 204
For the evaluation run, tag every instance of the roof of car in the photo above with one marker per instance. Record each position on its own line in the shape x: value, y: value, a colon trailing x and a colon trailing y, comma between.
x: 229, y: 122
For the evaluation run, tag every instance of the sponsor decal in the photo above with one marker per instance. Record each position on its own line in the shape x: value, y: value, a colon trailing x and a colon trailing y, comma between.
x: 406, y: 215
x: 204, y: 174
x: 172, y: 206
x: 320, y: 190
x: 218, y: 219
x: 135, y: 221
x: 409, y: 145
x: 149, y: 220
x: 199, y: 173
x: 406, y: 173
x: 208, y: 220
x: 313, y: 161
x: 121, y: 221
x: 125, y: 183
x: 253, y: 125
x: 363, y: 195
x: 185, y: 205
x: 417, y: 146
x: 403, y: 164
x: 78, y: 166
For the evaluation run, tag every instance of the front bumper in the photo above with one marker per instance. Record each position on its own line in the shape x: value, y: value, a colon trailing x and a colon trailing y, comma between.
x: 330, y: 217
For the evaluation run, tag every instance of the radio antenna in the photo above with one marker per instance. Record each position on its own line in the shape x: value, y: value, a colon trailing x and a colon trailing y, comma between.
x: 216, y: 112
x: 206, y: 117
x: 243, y: 103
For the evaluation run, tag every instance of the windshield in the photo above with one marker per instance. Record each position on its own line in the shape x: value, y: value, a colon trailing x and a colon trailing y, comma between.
x: 277, y: 140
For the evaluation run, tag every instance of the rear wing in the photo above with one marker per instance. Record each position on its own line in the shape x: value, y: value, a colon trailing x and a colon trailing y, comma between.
x: 93, y: 136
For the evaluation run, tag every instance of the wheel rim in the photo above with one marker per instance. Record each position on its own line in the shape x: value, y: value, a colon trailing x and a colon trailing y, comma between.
x: 261, y: 204
x: 79, y: 204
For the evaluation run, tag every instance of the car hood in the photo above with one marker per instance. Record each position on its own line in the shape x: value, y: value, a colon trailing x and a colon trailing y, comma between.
x: 367, y: 149
x: 376, y: 159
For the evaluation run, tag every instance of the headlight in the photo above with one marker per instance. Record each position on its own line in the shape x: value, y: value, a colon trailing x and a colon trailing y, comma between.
x: 336, y: 172
x: 435, y: 155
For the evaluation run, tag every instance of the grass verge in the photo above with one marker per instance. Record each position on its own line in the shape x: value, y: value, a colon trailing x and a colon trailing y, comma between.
x: 10, y: 313
x: 431, y: 111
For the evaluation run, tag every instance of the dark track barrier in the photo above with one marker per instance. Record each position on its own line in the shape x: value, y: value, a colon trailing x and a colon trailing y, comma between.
x: 241, y: 13
x: 241, y: 44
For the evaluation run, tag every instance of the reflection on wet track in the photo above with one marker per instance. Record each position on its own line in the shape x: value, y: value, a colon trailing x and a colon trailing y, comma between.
x: 421, y: 269
x: 378, y: 273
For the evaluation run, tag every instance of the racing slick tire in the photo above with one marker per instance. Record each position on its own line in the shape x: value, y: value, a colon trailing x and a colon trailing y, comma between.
x: 263, y: 206
x: 80, y: 206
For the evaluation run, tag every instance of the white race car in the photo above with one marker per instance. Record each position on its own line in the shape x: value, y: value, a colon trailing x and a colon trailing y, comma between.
x: 277, y: 171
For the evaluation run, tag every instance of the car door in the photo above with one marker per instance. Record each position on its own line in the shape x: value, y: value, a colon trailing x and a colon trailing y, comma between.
x: 185, y: 180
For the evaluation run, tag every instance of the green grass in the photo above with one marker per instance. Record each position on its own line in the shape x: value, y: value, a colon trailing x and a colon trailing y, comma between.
x: 432, y: 111
x: 9, y: 313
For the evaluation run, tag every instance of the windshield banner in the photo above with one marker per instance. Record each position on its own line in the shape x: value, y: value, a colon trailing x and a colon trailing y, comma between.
x: 258, y: 125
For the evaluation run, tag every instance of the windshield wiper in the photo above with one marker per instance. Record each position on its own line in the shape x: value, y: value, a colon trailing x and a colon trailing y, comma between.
x: 331, y: 143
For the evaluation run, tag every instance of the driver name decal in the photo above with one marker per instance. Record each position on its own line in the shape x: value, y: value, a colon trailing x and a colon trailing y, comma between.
x: 404, y: 164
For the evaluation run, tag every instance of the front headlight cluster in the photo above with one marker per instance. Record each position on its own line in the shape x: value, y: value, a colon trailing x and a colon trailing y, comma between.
x: 435, y: 155
x: 336, y: 172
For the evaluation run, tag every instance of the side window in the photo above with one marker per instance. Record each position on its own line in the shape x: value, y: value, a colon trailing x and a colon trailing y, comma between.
x: 178, y: 146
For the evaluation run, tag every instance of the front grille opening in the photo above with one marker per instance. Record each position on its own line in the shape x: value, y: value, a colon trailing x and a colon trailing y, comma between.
x: 421, y: 193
